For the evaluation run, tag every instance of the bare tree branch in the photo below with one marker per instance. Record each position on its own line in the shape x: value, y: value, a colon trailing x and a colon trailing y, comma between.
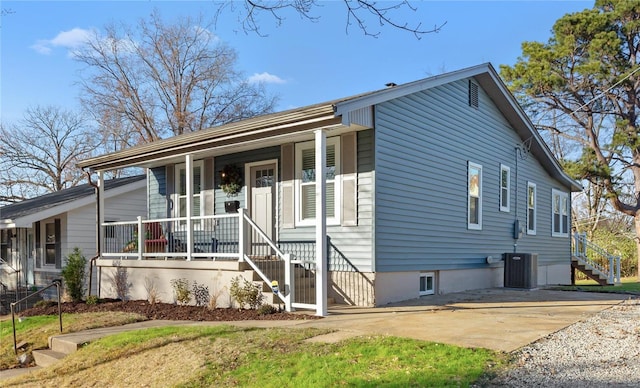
x: 39, y: 154
x: 359, y: 12
x: 155, y: 80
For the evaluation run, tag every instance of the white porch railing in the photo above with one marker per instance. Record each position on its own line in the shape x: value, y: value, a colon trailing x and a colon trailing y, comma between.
x: 218, y: 237
x: 597, y: 258
x: 210, y: 237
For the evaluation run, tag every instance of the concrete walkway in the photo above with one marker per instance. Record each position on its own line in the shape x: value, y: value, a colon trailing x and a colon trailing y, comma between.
x: 498, y: 319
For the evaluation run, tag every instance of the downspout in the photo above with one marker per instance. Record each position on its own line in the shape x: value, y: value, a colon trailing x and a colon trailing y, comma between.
x: 98, y: 242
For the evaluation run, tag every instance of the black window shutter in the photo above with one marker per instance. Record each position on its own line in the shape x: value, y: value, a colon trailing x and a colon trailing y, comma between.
x: 38, y: 246
x: 58, y: 244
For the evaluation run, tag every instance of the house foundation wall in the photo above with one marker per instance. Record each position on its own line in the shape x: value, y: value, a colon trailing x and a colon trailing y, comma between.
x: 554, y: 274
x: 393, y: 287
x: 142, y: 278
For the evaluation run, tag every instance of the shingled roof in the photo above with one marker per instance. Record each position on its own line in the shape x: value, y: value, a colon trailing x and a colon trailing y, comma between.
x: 51, y: 200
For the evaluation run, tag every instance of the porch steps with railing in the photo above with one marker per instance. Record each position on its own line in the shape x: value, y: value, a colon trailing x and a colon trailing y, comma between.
x: 595, y: 262
x: 589, y: 271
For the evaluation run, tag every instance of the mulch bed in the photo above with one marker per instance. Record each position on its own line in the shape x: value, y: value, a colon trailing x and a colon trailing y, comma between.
x: 165, y: 311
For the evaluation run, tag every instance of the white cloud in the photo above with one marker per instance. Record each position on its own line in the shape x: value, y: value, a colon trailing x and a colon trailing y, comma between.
x: 71, y: 39
x: 266, y: 78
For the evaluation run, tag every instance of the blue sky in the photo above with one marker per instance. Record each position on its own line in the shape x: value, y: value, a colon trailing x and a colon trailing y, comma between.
x: 301, y: 61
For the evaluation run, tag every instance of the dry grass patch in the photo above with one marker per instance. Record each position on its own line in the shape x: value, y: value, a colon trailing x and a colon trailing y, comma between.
x: 37, y: 330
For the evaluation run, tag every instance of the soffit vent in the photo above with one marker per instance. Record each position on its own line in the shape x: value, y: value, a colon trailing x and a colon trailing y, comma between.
x: 473, y: 94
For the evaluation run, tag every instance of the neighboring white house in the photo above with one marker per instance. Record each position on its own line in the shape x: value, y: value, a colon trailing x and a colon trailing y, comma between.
x: 37, y: 234
x: 424, y: 188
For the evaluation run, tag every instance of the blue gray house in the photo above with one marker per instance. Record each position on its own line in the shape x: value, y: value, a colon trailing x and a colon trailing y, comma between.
x: 426, y: 186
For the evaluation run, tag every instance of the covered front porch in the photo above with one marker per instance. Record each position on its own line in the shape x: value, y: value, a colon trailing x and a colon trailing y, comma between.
x: 191, y: 220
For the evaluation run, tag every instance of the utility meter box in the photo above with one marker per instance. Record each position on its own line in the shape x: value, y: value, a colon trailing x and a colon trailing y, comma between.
x: 521, y: 270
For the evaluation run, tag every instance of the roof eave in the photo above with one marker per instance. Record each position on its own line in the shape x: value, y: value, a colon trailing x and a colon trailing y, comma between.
x: 315, y: 115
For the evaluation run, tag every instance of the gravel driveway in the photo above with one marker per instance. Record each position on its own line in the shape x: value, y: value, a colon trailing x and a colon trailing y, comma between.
x: 601, y: 351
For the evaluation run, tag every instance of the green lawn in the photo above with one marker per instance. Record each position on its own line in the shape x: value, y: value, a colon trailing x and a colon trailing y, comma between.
x: 628, y: 285
x: 248, y: 357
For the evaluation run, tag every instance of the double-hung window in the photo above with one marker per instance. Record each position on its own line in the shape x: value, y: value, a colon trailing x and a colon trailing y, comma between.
x: 197, y: 182
x: 474, y: 191
x: 306, y: 182
x: 560, y: 216
x: 505, y: 188
x: 531, y: 208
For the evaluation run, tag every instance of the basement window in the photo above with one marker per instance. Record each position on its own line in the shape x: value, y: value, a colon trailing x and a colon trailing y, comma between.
x: 427, y: 283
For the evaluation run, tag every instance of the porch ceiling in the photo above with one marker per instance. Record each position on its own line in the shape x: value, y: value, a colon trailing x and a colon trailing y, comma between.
x: 246, y: 134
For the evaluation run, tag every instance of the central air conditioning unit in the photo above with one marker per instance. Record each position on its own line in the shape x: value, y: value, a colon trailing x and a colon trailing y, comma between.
x: 521, y: 270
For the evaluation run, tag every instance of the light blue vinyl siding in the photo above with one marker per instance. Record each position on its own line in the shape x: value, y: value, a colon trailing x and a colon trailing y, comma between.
x: 157, y: 184
x: 424, y: 142
x: 354, y: 242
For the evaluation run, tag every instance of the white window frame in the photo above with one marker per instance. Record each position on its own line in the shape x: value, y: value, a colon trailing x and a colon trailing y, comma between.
x: 505, y: 191
x: 470, y: 225
x: 178, y: 197
x: 426, y: 276
x: 532, y: 231
x: 337, y: 182
x: 563, y: 197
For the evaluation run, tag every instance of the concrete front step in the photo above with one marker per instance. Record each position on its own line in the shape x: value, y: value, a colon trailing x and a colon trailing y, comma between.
x: 62, y: 345
x: 47, y: 357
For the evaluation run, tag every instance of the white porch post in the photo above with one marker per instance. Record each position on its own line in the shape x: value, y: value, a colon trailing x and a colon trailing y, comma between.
x: 189, y: 182
x: 321, y: 223
x: 100, y: 205
x: 141, y: 237
x: 241, y: 234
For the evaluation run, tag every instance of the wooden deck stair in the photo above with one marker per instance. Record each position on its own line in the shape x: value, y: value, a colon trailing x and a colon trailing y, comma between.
x: 591, y: 272
x: 595, y: 262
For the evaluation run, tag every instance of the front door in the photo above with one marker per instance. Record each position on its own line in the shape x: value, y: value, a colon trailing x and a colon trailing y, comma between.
x: 262, y: 196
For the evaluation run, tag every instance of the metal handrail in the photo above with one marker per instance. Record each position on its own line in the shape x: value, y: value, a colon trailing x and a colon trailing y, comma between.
x: 57, y: 283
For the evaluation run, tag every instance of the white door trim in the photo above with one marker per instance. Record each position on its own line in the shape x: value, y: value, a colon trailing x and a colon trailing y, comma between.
x: 247, y: 194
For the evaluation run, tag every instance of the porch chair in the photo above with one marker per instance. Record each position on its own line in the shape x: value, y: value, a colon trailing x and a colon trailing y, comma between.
x: 155, y: 241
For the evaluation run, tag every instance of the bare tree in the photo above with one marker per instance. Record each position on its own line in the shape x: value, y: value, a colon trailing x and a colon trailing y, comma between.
x: 362, y: 13
x: 40, y: 153
x: 156, y: 80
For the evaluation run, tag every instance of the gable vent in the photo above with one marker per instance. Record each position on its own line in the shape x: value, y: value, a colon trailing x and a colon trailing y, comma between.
x: 473, y: 94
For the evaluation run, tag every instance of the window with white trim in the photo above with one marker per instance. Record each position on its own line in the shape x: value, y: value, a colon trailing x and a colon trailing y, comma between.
x: 560, y: 213
x: 531, y: 208
x: 306, y: 182
x: 505, y: 188
x: 197, y: 182
x: 427, y: 283
x: 474, y: 193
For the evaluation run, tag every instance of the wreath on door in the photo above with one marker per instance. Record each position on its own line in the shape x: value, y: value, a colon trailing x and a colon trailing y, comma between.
x: 231, y: 179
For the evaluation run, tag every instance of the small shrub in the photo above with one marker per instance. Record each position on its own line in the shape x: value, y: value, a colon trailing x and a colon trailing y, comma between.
x: 120, y: 282
x: 214, y: 297
x: 152, y: 291
x: 267, y: 309
x: 200, y: 294
x: 92, y: 299
x: 181, y: 290
x: 74, y: 275
x: 247, y: 294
